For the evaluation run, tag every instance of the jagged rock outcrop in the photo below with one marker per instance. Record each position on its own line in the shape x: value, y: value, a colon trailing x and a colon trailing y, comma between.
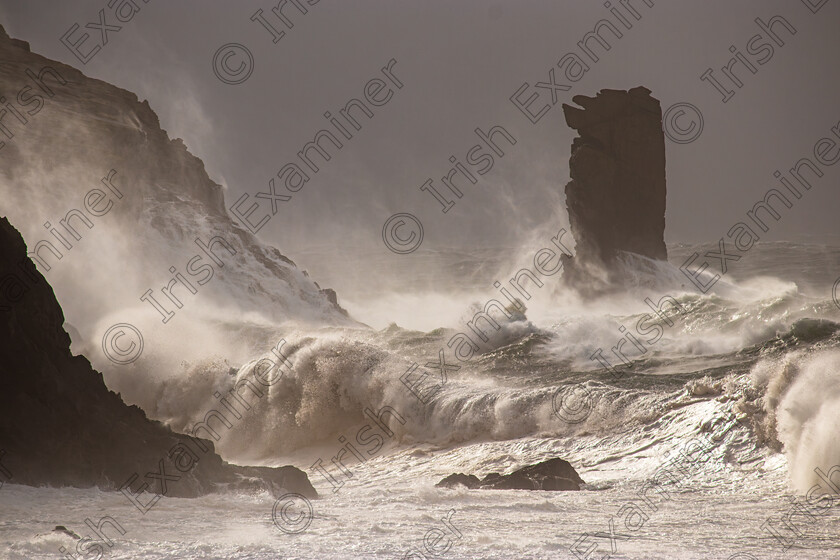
x: 61, y: 426
x: 616, y: 198
x: 553, y: 475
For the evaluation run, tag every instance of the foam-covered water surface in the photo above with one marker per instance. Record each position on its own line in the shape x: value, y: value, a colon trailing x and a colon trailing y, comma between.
x: 751, y: 369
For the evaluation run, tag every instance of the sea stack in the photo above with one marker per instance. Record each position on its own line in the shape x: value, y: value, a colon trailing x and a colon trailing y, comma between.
x: 616, y: 198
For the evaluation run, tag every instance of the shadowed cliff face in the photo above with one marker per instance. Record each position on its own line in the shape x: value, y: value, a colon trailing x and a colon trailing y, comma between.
x: 160, y: 206
x: 60, y: 425
x: 616, y: 198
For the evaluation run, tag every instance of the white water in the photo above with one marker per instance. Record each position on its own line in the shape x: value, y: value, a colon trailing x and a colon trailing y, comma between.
x: 737, y: 357
x: 737, y: 366
x: 390, y: 504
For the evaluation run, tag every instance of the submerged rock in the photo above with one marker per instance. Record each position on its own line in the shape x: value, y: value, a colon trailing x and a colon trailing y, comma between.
x: 64, y: 530
x: 459, y: 479
x: 552, y: 475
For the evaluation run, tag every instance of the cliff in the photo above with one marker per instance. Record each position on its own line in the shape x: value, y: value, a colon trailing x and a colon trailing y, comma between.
x: 61, y: 426
x: 76, y: 130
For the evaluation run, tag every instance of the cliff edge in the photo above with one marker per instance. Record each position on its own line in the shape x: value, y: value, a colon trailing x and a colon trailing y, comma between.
x: 61, y: 426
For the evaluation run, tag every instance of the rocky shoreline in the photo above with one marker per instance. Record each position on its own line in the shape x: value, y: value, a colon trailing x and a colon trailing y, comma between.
x: 63, y: 427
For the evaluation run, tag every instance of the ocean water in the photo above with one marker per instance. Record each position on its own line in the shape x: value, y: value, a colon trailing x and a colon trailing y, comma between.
x: 706, y: 446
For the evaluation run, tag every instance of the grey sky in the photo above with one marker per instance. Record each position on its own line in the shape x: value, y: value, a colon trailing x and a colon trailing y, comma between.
x: 459, y: 63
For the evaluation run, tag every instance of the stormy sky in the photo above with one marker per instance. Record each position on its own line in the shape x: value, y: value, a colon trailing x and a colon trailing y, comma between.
x: 460, y: 63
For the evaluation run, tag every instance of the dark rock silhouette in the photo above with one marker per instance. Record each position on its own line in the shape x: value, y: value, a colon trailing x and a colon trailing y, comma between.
x: 616, y: 198
x: 459, y: 479
x: 65, y: 531
x: 553, y: 475
x: 61, y: 426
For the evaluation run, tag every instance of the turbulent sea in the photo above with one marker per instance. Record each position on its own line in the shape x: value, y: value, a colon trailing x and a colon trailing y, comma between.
x: 751, y: 369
